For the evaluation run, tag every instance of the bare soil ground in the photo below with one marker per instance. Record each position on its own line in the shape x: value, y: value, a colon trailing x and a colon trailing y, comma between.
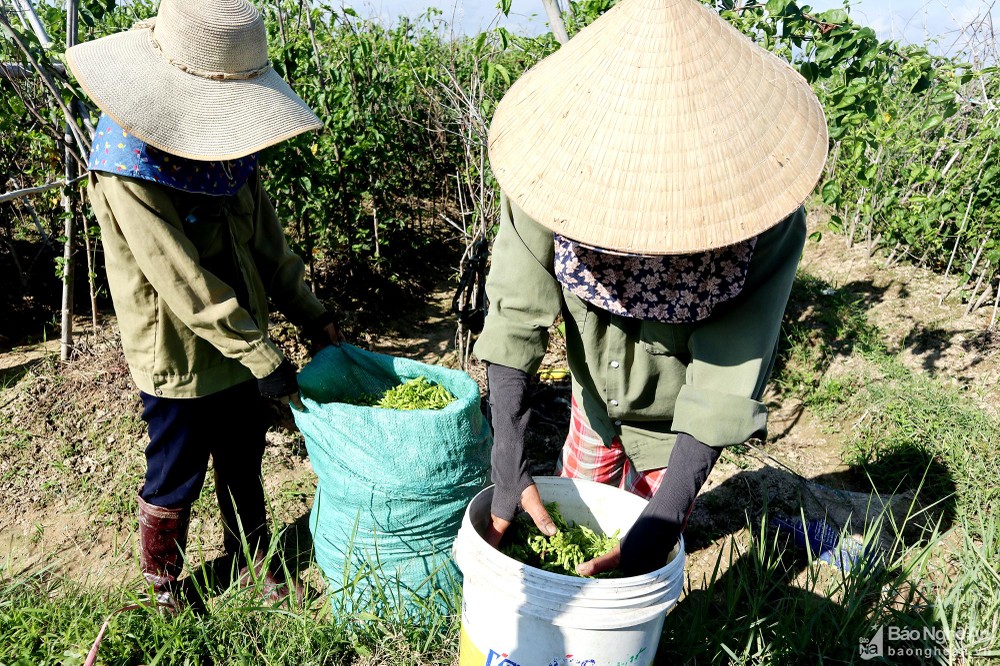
x: 71, y: 442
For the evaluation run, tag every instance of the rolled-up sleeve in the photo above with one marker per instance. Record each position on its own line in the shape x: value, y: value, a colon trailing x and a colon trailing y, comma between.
x: 524, y: 296
x: 732, y: 355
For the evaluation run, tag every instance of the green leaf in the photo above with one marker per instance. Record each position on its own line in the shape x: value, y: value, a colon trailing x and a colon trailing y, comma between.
x: 847, y: 101
x: 831, y: 192
x: 944, y: 97
x: 87, y: 17
x: 504, y: 7
x: 835, y: 16
x: 809, y: 71
x: 922, y: 84
x: 816, y: 236
x: 826, y: 52
x: 777, y: 7
x: 932, y: 122
x: 504, y: 73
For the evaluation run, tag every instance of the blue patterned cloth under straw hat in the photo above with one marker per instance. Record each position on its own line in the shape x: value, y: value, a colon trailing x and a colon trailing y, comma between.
x: 116, y: 151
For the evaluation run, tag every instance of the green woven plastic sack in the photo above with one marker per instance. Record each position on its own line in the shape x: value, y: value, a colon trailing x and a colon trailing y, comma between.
x: 393, y: 485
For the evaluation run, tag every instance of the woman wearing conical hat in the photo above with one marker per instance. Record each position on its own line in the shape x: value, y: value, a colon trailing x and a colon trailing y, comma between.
x: 193, y: 251
x: 653, y: 172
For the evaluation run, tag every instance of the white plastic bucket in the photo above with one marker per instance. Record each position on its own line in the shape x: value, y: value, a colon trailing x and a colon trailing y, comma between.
x: 517, y: 615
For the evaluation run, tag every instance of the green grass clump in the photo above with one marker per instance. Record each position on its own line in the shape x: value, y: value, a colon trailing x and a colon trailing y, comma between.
x: 47, y: 617
x: 416, y: 393
x: 562, y: 552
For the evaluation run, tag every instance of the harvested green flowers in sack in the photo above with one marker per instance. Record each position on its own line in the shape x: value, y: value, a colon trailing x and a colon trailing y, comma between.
x: 416, y: 393
x: 399, y: 448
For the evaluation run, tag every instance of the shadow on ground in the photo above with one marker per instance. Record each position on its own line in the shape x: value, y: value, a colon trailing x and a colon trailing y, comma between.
x: 757, y: 589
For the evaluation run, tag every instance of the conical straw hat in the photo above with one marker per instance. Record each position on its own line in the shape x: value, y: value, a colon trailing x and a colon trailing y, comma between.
x: 659, y: 129
x: 195, y: 81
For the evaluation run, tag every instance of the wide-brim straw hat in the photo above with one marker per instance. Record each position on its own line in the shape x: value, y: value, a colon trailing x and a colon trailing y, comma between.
x: 659, y: 129
x: 195, y: 81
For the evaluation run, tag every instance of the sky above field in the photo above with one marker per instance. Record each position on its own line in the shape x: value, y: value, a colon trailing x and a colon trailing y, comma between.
x: 915, y: 21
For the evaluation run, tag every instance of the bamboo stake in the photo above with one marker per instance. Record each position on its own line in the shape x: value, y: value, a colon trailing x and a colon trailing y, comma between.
x: 996, y: 306
x: 43, y: 122
x: 91, y: 251
x: 892, y: 255
x: 81, y: 141
x: 307, y: 9
x: 979, y: 253
x: 984, y: 297
x: 281, y: 24
x: 14, y: 71
x: 873, y: 243
x: 857, y: 218
x: 973, y: 301
x: 951, y: 162
x: 555, y: 21
x: 38, y: 223
x: 30, y: 19
x: 378, y: 253
x: 83, y: 113
x: 69, y: 167
x: 958, y: 238
x: 28, y: 191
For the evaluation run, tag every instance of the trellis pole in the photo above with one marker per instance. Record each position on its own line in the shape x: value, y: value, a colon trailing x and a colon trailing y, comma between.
x: 556, y: 21
x: 69, y: 168
x: 30, y: 20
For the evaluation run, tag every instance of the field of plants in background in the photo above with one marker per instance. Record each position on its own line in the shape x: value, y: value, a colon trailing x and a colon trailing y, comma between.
x: 395, y: 193
x: 401, y: 163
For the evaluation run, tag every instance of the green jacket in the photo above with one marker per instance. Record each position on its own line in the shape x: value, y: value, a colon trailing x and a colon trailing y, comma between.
x: 644, y: 381
x: 190, y: 276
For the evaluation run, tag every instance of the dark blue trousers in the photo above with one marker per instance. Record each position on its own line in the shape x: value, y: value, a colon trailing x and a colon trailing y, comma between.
x: 229, y: 426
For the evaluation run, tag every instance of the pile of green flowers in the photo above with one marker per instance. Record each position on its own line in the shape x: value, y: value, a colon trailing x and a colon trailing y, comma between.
x: 560, y: 553
x: 416, y: 393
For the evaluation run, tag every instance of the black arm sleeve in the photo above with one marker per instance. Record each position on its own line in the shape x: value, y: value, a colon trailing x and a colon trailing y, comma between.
x: 648, y: 543
x: 508, y: 390
x: 281, y: 382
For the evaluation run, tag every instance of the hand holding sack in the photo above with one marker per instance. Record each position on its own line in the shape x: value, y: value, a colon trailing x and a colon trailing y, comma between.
x: 282, y: 381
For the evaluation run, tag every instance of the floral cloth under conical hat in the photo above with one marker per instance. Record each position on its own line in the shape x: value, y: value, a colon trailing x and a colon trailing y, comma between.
x: 659, y: 129
x: 194, y: 82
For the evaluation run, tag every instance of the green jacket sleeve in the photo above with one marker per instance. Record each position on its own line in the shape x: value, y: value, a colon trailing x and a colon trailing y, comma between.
x: 281, y: 270
x: 732, y: 355
x: 525, y: 297
x: 151, y: 226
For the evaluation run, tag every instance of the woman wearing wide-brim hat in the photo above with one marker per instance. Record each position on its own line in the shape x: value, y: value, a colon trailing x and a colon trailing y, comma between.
x: 653, y: 172
x: 193, y: 251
